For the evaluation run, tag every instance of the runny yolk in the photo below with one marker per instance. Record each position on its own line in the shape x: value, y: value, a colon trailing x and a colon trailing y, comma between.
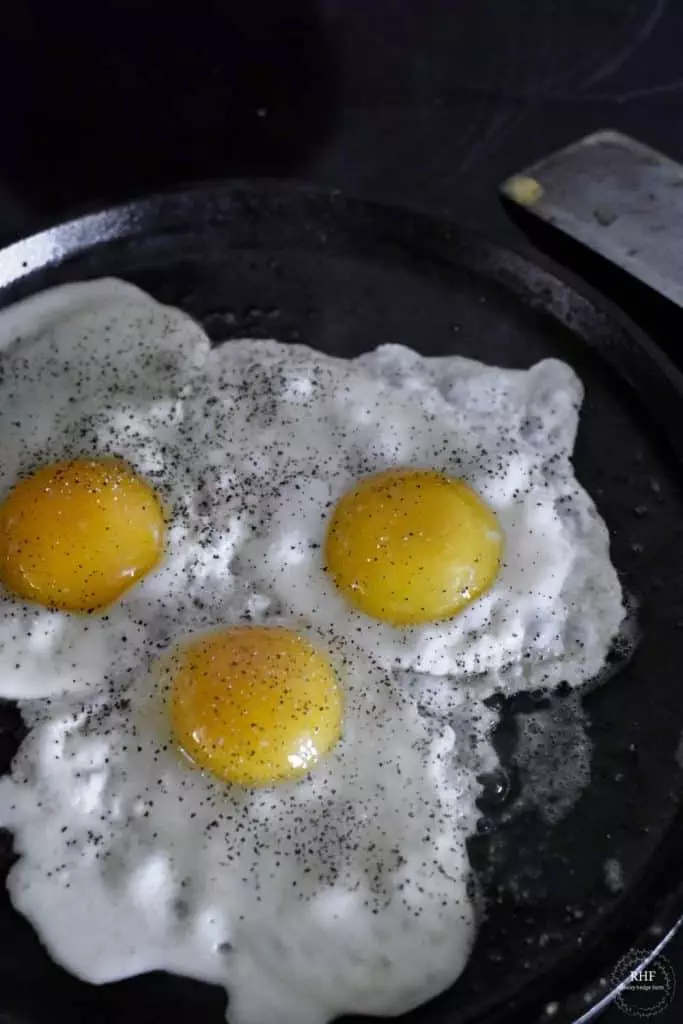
x: 410, y: 546
x: 75, y: 535
x: 254, y: 705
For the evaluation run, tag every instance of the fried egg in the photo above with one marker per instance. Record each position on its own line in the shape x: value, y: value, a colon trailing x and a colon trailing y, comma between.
x: 251, y: 600
x: 100, y: 503
x: 442, y: 490
x: 348, y: 890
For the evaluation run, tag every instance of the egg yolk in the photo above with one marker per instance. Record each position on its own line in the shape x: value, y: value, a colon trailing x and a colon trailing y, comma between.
x: 254, y: 705
x: 75, y: 535
x: 410, y: 546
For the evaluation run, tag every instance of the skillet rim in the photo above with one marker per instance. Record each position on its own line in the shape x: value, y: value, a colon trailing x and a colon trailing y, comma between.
x: 552, y: 288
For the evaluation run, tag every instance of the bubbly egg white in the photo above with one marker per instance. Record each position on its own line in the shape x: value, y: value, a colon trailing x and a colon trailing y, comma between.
x: 348, y: 891
x: 102, y: 368
x: 315, y: 424
x: 251, y: 444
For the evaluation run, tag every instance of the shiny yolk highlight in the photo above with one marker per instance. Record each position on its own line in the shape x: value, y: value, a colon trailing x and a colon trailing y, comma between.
x: 254, y: 705
x: 410, y: 546
x: 75, y: 535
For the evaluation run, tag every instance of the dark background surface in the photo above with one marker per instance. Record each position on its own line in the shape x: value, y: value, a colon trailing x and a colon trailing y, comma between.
x: 427, y: 105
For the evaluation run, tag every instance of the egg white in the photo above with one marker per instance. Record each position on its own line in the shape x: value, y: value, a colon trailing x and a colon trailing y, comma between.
x: 101, y: 368
x: 348, y: 891
x: 557, y: 604
x: 251, y: 444
x: 130, y: 858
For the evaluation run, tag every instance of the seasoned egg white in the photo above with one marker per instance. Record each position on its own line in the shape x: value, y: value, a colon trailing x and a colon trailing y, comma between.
x: 251, y: 444
x: 346, y: 892
x: 101, y: 369
x: 349, y: 890
x: 318, y: 424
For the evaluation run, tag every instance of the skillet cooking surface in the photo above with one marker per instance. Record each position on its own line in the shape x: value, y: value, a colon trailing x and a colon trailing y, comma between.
x: 344, y: 276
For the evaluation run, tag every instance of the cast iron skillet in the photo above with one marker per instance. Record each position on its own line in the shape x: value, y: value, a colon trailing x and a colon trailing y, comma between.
x: 343, y: 276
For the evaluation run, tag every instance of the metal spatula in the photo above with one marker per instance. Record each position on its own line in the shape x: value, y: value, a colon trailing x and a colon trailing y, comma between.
x: 618, y: 197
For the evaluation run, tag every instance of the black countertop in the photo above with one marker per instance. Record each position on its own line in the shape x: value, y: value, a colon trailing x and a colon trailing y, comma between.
x: 429, y: 105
